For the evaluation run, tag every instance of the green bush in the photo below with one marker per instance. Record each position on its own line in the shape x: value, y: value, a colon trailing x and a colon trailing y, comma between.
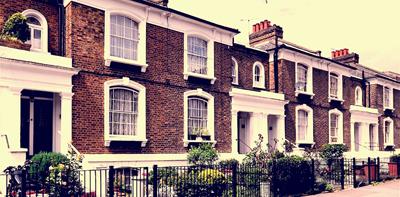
x: 291, y: 175
x: 329, y: 188
x: 17, y: 27
x: 395, y: 158
x: 41, y: 162
x: 228, y: 163
x: 204, y: 154
x: 332, y: 151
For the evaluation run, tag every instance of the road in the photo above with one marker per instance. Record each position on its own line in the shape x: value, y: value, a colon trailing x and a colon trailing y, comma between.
x: 387, y: 189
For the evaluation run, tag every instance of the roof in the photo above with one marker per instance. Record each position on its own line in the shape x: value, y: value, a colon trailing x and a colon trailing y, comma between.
x: 187, y: 15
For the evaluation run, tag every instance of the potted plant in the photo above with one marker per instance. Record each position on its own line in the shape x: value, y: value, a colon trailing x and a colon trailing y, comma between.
x: 205, y: 134
x: 15, y: 32
x: 394, y: 165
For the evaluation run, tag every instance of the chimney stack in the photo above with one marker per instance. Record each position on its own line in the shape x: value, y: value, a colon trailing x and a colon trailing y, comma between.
x: 343, y: 56
x: 264, y: 32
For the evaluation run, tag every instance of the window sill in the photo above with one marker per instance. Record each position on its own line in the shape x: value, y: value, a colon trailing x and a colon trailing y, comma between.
x: 111, y: 59
x: 186, y: 76
x: 259, y: 86
x: 337, y: 143
x: 305, y: 142
x: 298, y: 92
x: 187, y: 142
x: 388, y: 145
x: 124, y: 138
x: 388, y: 108
x: 336, y: 99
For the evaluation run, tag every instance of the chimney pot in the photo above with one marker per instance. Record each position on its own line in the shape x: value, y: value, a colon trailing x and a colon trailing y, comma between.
x: 346, y: 51
x: 254, y: 28
x: 333, y: 54
x: 266, y: 24
x: 257, y: 27
x: 261, y: 26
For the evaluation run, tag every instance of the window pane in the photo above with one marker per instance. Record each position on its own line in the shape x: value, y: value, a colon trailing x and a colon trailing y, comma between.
x: 301, y: 83
x: 197, y: 115
x: 197, y: 55
x: 302, y: 125
x: 123, y: 37
x: 333, y: 86
x: 123, y: 111
x: 36, y: 41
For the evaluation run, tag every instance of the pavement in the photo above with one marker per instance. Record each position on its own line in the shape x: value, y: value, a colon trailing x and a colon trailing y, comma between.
x: 386, y: 189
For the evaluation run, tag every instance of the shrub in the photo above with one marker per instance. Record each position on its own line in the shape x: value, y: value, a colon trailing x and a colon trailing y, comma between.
x: 228, y: 163
x: 291, y: 175
x: 17, y: 27
x: 43, y: 161
x: 204, y: 154
x: 332, y: 151
x: 329, y: 188
x: 395, y: 158
x: 258, y: 156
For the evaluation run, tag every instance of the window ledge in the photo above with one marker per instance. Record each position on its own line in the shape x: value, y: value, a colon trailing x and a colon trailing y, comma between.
x: 259, y: 86
x: 186, y: 76
x: 298, y: 92
x: 305, y: 142
x: 337, y: 143
x: 124, y: 138
x: 187, y: 142
x: 111, y: 59
x: 336, y: 99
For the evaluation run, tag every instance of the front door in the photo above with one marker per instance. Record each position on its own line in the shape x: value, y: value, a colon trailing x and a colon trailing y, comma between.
x: 36, y: 122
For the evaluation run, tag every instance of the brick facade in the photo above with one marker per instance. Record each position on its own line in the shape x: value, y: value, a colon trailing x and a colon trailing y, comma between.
x: 163, y: 81
x: 49, y: 10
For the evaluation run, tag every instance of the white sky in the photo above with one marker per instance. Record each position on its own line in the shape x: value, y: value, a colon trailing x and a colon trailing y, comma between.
x: 367, y: 27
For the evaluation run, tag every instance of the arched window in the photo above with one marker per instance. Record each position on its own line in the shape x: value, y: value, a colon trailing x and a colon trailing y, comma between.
x: 335, y: 126
x: 198, y: 117
x: 304, y: 125
x: 258, y: 75
x: 124, y: 111
x: 39, y: 30
x: 358, y: 96
x: 235, y: 72
x: 124, y: 37
x: 197, y: 55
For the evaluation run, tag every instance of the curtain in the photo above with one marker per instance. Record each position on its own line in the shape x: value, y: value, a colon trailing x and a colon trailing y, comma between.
x: 197, y: 55
x: 123, y: 111
x: 197, y: 115
x: 302, y: 125
x: 301, y: 78
x: 334, y: 87
x: 124, y: 37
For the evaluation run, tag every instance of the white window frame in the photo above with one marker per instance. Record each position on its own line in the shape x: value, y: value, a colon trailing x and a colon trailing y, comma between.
x: 141, y: 118
x: 358, y: 96
x: 210, y: 115
x: 235, y: 79
x: 141, y: 49
x: 339, y: 96
x: 261, y: 83
x: 310, y: 125
x: 210, y: 57
x: 339, y: 125
x: 43, y: 28
x: 390, y: 142
x: 390, y: 104
x: 309, y: 85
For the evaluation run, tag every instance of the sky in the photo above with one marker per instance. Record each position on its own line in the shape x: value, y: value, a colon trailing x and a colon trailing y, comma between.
x: 367, y: 27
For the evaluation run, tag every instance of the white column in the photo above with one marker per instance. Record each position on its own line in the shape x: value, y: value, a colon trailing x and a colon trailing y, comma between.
x: 264, y: 130
x: 364, y: 132
x: 66, y: 121
x: 234, y: 128
x: 352, y: 138
x: 11, y: 110
x: 281, y: 132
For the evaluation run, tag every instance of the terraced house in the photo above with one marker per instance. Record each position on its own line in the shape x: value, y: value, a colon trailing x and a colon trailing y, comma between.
x: 133, y: 82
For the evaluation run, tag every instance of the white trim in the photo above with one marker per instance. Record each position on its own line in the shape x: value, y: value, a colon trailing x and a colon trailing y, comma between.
x: 141, y: 50
x: 210, y: 114
x: 358, y: 102
x: 261, y: 94
x: 43, y: 27
x: 210, y: 57
x: 391, y: 134
x: 261, y: 83
x: 141, y: 126
x: 310, y: 125
x: 35, y: 57
x: 361, y: 109
x: 235, y: 81
x: 339, y: 124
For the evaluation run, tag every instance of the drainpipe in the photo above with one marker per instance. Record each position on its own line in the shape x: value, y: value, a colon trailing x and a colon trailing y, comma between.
x: 364, y: 88
x: 276, y: 50
x: 61, y: 27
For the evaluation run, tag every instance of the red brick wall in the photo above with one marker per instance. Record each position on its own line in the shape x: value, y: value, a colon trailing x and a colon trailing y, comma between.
x: 246, y: 58
x: 49, y: 11
x: 396, y: 117
x: 163, y: 81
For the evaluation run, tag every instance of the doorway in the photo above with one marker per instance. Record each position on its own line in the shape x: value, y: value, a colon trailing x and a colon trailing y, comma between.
x: 244, y: 137
x: 357, y: 137
x: 36, y: 122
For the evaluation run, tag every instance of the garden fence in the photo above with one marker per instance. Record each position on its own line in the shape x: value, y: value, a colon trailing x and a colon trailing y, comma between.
x: 177, y: 181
